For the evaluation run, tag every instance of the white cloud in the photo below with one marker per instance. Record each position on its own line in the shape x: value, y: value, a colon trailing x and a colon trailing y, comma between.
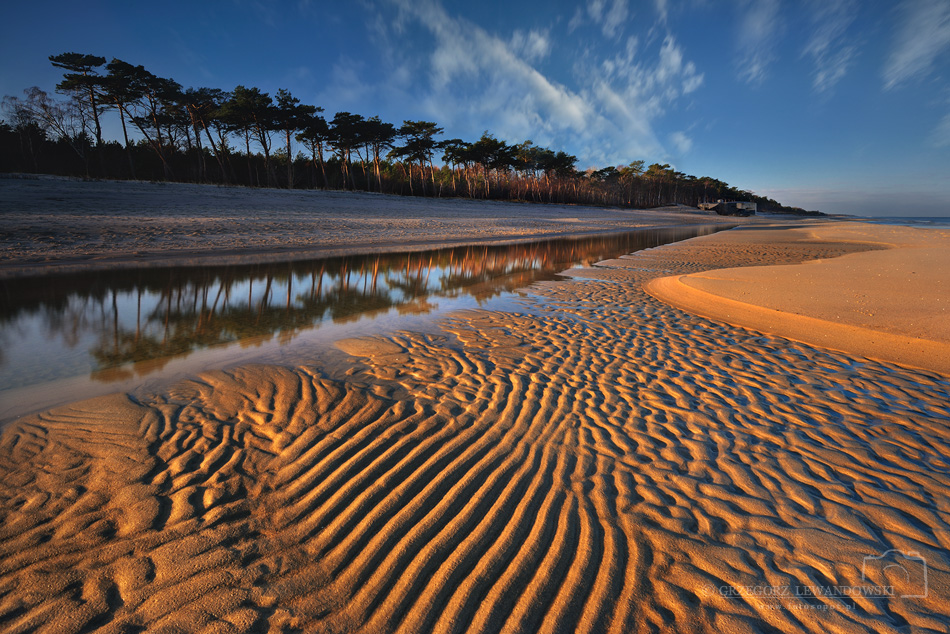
x: 477, y: 80
x: 681, y: 142
x: 615, y: 19
x: 662, y: 9
x: 924, y: 34
x: 576, y: 21
x: 828, y: 47
x: 610, y: 15
x: 595, y: 9
x: 466, y: 53
x: 532, y: 46
x: 758, y: 31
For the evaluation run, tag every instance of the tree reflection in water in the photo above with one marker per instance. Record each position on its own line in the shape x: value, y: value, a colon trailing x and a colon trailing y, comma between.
x: 140, y: 319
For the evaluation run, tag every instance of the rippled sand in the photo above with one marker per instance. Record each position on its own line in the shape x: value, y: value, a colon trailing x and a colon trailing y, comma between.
x: 602, y: 462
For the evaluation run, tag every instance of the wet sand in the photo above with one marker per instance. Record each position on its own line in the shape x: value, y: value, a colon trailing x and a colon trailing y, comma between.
x: 601, y: 462
x: 56, y: 225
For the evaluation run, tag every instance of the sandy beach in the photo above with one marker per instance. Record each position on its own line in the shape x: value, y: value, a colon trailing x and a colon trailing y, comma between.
x: 891, y: 302
x: 57, y: 225
x: 602, y: 461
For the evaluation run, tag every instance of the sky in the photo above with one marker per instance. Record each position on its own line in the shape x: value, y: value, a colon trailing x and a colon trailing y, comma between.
x: 837, y: 105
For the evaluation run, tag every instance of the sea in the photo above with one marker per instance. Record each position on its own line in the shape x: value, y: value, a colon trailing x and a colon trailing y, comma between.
x: 937, y: 222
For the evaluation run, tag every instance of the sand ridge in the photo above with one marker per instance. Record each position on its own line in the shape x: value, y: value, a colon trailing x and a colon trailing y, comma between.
x: 601, y: 462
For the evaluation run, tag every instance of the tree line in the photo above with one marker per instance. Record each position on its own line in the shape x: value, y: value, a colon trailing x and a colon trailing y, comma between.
x: 247, y: 137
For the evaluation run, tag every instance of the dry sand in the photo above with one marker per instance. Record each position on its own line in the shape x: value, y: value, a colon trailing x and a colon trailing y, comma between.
x: 603, y: 462
x: 55, y: 225
x: 892, y: 305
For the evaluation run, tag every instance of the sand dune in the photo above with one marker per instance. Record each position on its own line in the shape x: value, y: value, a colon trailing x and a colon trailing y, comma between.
x: 600, y: 463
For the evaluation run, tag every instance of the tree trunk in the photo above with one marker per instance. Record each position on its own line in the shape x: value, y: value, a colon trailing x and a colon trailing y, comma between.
x: 323, y: 167
x: 217, y: 154
x: 125, y: 135
x: 247, y: 145
x: 290, y: 164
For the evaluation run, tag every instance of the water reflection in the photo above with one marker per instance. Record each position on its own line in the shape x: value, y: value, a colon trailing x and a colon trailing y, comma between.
x: 117, y: 325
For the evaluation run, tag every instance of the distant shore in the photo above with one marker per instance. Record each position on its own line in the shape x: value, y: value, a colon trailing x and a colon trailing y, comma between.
x: 65, y: 225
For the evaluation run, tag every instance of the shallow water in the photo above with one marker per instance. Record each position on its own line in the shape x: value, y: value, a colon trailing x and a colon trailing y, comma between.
x: 599, y: 462
x: 78, y: 335
x: 923, y: 222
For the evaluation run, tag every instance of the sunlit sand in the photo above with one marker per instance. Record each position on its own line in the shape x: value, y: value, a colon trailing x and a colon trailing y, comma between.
x: 891, y: 303
x: 601, y: 462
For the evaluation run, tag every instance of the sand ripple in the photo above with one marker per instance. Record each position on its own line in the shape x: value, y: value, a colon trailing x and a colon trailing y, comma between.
x: 601, y: 463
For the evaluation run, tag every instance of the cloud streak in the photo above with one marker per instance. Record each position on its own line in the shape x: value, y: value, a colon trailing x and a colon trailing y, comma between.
x: 941, y: 134
x: 923, y: 36
x: 610, y: 16
x: 759, y: 27
x: 532, y: 46
x: 479, y: 80
x: 828, y: 46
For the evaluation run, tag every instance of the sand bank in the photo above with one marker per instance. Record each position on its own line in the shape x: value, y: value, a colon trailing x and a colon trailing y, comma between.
x: 890, y: 303
x: 53, y: 225
x: 600, y: 462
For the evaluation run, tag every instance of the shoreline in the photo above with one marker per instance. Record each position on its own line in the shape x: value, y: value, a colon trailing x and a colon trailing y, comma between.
x: 275, y: 255
x: 118, y: 224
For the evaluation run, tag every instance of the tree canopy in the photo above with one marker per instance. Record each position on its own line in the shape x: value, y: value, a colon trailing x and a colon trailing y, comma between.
x: 198, y: 134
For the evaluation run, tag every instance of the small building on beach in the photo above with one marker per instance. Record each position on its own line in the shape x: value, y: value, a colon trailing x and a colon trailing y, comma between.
x: 733, y: 208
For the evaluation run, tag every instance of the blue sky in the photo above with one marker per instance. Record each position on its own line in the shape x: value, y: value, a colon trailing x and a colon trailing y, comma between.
x: 840, y: 105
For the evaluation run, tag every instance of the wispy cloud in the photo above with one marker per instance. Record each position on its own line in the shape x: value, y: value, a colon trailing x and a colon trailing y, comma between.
x: 610, y: 16
x: 595, y: 9
x: 615, y: 18
x: 923, y: 35
x: 758, y: 30
x: 632, y: 93
x: 941, y: 134
x: 681, y: 142
x: 532, y: 46
x: 829, y: 48
x: 478, y: 80
x: 347, y: 87
x: 576, y: 20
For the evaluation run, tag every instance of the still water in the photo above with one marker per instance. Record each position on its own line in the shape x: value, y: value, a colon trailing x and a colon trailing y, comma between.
x: 78, y: 335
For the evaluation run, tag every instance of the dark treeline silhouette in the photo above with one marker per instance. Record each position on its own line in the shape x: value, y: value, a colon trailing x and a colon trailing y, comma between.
x: 246, y: 137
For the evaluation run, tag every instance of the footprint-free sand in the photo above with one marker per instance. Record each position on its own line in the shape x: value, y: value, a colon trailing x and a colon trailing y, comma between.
x: 890, y: 303
x: 55, y: 225
x: 601, y: 462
